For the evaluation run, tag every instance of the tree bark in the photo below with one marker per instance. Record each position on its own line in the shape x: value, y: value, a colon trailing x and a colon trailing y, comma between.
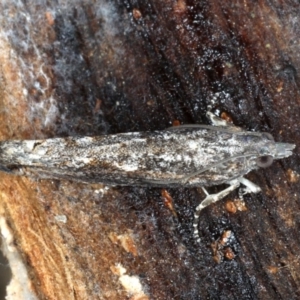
x: 70, y: 68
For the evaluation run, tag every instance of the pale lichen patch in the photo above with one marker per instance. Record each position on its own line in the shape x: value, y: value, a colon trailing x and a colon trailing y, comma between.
x: 20, y: 285
x: 131, y: 284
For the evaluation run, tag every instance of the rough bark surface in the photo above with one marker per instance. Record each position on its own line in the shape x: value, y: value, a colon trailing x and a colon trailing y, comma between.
x: 71, y: 68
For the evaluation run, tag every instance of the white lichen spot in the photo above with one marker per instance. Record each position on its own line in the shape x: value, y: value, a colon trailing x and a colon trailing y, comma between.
x: 19, y: 286
x: 61, y: 218
x: 131, y: 284
x: 102, y: 191
x: 25, y: 92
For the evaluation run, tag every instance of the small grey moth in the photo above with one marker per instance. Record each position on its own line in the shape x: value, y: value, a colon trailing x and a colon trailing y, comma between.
x: 188, y: 155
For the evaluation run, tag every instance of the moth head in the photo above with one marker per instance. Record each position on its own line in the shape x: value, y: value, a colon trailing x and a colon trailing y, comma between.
x: 272, y: 150
x: 264, y: 161
x: 266, y: 158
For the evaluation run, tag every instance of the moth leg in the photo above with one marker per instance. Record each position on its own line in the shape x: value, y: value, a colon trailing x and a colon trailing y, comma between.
x: 250, y: 187
x: 216, y: 121
x: 211, y: 198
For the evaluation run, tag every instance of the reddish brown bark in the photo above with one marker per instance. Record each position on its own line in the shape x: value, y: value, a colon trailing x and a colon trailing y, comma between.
x: 98, y: 67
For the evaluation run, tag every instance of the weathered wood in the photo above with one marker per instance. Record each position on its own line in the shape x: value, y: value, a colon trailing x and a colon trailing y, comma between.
x: 96, y: 67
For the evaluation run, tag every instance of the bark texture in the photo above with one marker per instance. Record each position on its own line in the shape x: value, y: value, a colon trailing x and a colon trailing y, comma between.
x: 71, y: 68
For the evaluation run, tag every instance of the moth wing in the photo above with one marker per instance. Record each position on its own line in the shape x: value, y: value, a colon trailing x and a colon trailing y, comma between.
x: 226, y: 129
x: 186, y: 177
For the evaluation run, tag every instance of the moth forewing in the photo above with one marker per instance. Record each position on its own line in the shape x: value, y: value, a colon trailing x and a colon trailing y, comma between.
x: 191, y: 156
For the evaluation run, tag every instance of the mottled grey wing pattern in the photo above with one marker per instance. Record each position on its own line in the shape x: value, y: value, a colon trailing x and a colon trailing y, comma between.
x: 191, y: 155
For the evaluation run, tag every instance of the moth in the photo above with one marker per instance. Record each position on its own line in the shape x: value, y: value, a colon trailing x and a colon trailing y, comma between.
x: 187, y: 155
